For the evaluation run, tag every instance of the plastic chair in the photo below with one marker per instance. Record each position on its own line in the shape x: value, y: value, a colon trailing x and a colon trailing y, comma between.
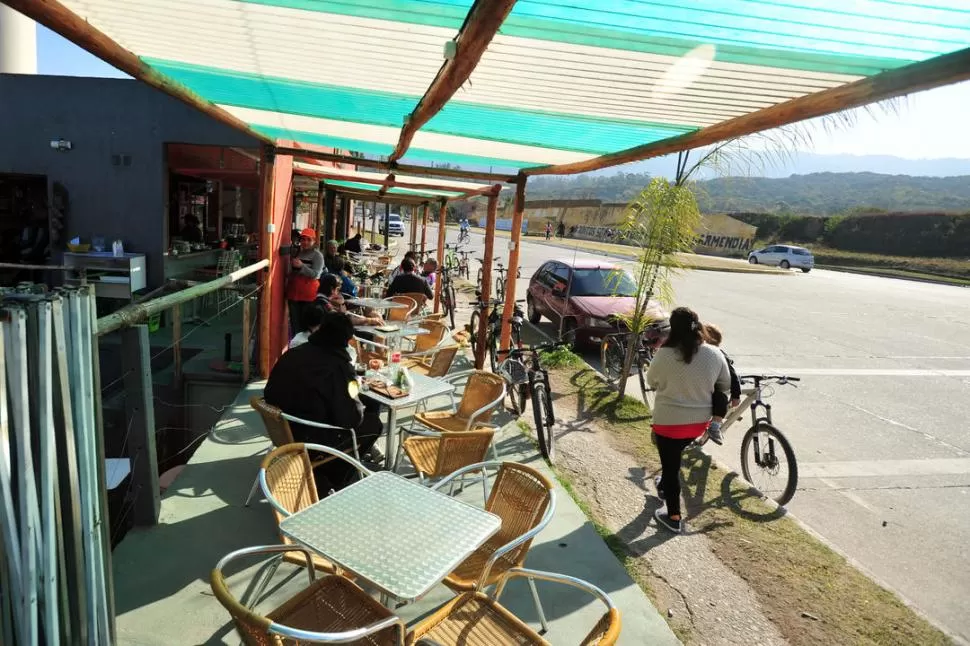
x: 439, y: 364
x: 330, y: 610
x: 525, y: 501
x: 437, y: 457
x: 477, y: 618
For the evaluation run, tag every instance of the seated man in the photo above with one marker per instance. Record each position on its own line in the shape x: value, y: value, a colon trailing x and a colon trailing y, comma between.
x: 408, y: 282
x: 410, y: 255
x: 313, y: 315
x: 316, y: 381
x: 429, y: 270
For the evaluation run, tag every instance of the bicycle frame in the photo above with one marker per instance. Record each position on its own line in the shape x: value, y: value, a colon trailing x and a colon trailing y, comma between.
x: 751, y: 402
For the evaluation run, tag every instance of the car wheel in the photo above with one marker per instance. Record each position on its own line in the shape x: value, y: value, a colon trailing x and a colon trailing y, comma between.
x: 805, y: 270
x: 753, y: 260
x: 784, y: 264
x: 569, y: 332
x: 531, y: 311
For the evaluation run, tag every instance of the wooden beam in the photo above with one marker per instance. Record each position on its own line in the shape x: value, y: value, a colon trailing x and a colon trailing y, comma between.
x: 311, y: 152
x: 936, y: 72
x: 266, y: 251
x: 387, y: 199
x: 515, y: 248
x: 481, y: 24
x: 486, y: 286
x: 494, y: 189
x: 321, y: 202
x: 336, y: 176
x: 386, y: 184
x: 58, y: 18
x: 442, y: 214
x: 424, y: 227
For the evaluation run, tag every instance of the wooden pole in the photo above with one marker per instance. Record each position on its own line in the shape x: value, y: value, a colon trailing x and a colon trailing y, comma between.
x: 424, y: 228
x: 321, y: 201
x: 942, y: 70
x: 442, y: 212
x: 246, y: 324
x: 331, y: 214
x: 268, y: 238
x: 481, y: 24
x: 387, y: 225
x: 58, y: 18
x: 435, y: 184
x: 373, y: 222
x: 486, y: 286
x: 140, y: 410
x: 414, y: 227
x: 515, y: 245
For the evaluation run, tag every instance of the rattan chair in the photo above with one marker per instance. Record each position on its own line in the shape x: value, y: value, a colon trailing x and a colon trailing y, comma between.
x: 477, y: 618
x: 367, y: 350
x: 484, y: 393
x: 437, y: 365
x: 437, y: 457
x: 278, y: 429
x: 419, y: 299
x: 330, y: 610
x: 525, y: 501
x: 425, y: 345
x: 401, y: 314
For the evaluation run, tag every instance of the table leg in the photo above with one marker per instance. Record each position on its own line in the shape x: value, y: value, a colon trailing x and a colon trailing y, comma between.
x: 392, y: 439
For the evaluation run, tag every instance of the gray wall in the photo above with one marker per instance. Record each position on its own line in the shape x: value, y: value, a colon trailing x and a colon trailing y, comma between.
x: 101, y: 118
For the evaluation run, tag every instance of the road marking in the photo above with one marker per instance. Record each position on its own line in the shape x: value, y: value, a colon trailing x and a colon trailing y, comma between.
x: 883, y: 468
x: 861, y: 372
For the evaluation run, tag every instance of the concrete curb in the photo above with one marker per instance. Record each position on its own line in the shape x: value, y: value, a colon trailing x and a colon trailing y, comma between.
x: 880, y: 274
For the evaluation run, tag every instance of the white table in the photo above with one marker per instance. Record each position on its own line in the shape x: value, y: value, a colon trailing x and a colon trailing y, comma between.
x: 424, y: 389
x: 376, y: 303
x: 396, y: 534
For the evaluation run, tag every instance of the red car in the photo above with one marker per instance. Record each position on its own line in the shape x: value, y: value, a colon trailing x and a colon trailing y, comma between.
x: 585, y: 296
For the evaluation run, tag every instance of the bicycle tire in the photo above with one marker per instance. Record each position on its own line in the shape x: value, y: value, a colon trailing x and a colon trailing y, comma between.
x: 775, y: 437
x: 473, y: 331
x: 451, y: 262
x: 481, y: 274
x: 517, y: 394
x: 499, y: 288
x: 612, y: 354
x: 452, y: 299
x: 493, y: 339
x: 516, y: 335
x: 541, y: 410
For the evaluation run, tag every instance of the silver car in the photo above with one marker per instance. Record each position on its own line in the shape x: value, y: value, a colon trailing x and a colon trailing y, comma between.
x: 784, y: 256
x: 395, y: 226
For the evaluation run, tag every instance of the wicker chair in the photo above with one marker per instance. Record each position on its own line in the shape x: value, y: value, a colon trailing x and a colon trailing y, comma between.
x: 331, y: 609
x: 484, y: 392
x: 477, y: 618
x: 426, y: 345
x: 438, y: 365
x: 367, y: 350
x: 401, y: 314
x: 437, y: 457
x: 419, y: 299
x: 525, y: 501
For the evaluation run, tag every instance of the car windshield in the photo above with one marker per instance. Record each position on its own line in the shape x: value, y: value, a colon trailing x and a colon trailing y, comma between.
x: 602, y: 281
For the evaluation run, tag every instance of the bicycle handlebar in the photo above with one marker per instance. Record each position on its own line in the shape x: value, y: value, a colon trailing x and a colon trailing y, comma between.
x: 781, y: 379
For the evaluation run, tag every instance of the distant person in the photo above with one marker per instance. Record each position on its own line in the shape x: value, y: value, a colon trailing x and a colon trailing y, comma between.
x: 561, y: 230
x: 684, y: 372
x: 191, y: 230
x: 306, y: 266
x: 719, y: 401
x: 312, y: 318
x: 332, y: 260
x: 548, y: 230
x: 410, y: 255
x: 354, y: 245
x: 429, y: 270
x: 408, y: 282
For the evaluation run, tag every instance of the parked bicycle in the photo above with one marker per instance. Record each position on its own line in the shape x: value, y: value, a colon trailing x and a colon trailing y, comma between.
x: 499, y: 284
x: 449, y: 297
x: 493, y: 311
x: 613, y: 352
x: 464, y: 269
x: 526, y: 378
x: 767, y: 457
x: 451, y: 256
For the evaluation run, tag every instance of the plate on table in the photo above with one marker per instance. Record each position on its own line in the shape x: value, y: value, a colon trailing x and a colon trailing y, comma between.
x: 387, y: 328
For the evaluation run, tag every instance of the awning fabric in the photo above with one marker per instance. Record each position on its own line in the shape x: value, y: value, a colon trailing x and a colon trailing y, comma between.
x: 562, y: 81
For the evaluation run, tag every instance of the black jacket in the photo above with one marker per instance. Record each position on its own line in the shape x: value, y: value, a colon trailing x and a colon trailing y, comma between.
x: 409, y: 284
x: 353, y: 244
x: 312, y: 381
x: 735, y: 380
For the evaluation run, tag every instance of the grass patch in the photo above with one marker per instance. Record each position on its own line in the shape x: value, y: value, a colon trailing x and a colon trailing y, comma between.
x: 561, y: 357
x: 929, y: 268
x: 809, y: 591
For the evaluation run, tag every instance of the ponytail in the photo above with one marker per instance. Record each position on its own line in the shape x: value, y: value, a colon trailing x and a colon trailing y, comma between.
x: 686, y: 333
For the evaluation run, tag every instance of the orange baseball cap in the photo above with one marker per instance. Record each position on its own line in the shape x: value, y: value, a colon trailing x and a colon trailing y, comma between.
x: 308, y: 233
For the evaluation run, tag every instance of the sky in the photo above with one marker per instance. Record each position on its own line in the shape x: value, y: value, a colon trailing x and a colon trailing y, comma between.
x: 926, y: 125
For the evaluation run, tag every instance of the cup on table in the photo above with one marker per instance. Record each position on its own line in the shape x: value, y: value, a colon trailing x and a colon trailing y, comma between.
x: 375, y: 364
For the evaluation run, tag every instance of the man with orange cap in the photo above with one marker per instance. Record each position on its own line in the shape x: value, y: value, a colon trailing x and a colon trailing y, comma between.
x: 304, y: 279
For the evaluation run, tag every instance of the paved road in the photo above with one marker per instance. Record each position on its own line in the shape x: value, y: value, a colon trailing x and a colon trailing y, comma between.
x: 879, y: 424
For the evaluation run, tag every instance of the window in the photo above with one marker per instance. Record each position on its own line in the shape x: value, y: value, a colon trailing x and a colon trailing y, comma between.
x: 801, y: 252
x: 602, y: 281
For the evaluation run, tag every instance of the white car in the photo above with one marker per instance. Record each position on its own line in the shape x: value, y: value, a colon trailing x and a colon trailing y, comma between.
x: 394, y: 225
x: 784, y: 256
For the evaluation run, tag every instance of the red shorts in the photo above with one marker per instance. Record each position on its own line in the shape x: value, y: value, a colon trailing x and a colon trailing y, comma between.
x: 681, y: 431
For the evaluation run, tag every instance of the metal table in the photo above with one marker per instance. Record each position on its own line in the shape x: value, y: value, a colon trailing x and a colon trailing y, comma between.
x: 424, y: 389
x: 396, y: 534
x: 376, y: 303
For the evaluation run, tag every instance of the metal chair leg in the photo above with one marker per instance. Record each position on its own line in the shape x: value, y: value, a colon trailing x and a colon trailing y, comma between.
x: 542, y: 615
x: 265, y: 582
x: 485, y: 485
x: 252, y: 491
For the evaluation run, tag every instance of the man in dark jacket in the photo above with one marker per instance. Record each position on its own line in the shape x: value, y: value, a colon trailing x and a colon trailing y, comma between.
x: 317, y: 382
x: 353, y: 244
x: 408, y: 282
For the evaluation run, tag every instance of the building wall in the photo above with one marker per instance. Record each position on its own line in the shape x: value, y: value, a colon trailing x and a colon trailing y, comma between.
x: 103, y: 118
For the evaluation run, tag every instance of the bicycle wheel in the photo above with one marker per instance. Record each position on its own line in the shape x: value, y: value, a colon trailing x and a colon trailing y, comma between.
x: 516, y: 335
x: 499, y: 288
x: 768, y: 462
x: 450, y: 262
x: 473, y: 330
x: 612, y: 354
x: 517, y: 394
x: 452, y: 299
x: 493, y: 339
x: 542, y: 410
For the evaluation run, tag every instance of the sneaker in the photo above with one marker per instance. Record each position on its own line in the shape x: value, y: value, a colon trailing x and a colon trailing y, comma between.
x: 663, y: 520
x: 656, y: 483
x: 714, y: 433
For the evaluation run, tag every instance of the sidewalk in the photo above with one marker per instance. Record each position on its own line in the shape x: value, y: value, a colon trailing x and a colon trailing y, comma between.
x: 161, y: 574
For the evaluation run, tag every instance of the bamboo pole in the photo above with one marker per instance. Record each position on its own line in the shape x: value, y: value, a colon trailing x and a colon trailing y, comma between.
x: 442, y: 212
x: 514, y: 251
x: 486, y: 286
x: 58, y: 18
x: 942, y: 70
x: 481, y: 24
x: 424, y: 227
x: 267, y: 249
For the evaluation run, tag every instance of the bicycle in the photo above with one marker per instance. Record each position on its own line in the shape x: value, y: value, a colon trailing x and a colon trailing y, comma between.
x: 449, y: 297
x: 451, y: 257
x: 759, y: 446
x: 500, y: 280
x: 463, y: 236
x: 494, y: 322
x: 464, y: 270
x: 613, y: 352
x: 532, y: 380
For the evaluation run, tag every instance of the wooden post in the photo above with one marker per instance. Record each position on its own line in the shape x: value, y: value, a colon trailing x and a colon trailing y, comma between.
x: 387, y: 225
x: 442, y: 211
x: 414, y: 226
x: 246, y: 325
x: 373, y: 222
x: 424, y: 227
x: 268, y: 236
x: 330, y: 215
x: 177, y: 342
x: 514, y: 250
x: 321, y: 200
x: 140, y: 411
x: 486, y: 286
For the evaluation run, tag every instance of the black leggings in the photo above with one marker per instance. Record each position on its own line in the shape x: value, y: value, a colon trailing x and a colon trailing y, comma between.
x: 670, y: 450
